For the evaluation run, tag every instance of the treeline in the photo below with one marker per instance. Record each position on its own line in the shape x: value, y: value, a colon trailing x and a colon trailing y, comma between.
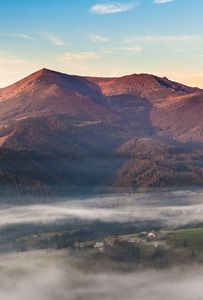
x: 67, y: 233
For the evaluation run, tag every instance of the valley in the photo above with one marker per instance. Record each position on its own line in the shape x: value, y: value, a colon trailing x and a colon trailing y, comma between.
x: 145, y: 242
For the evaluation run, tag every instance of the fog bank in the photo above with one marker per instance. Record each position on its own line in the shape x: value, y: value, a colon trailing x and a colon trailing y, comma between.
x: 45, y: 276
x: 175, y: 208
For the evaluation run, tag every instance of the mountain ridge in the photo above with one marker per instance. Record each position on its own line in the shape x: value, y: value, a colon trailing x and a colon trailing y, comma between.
x: 47, y: 72
x: 131, y: 131
x: 137, y: 99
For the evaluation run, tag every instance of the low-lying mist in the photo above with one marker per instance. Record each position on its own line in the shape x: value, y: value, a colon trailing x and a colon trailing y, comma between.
x: 70, y: 274
x: 171, y: 208
x: 46, y: 276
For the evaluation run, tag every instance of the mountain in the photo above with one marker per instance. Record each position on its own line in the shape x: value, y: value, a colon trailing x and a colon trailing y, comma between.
x: 46, y: 92
x: 147, y: 103
x: 156, y: 163
x: 136, y: 130
x: 180, y: 119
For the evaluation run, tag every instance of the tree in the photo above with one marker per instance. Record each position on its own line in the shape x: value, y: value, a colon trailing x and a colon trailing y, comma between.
x: 185, y: 244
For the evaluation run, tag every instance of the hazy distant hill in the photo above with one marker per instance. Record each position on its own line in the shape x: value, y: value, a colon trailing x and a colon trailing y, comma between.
x: 127, y: 131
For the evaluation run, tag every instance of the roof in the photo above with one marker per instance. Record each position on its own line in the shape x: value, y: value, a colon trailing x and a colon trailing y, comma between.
x: 99, y: 244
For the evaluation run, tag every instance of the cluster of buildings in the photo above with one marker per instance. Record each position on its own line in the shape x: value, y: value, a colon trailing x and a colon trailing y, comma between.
x: 100, y: 245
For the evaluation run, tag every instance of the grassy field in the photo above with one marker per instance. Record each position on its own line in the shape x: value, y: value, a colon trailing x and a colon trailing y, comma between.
x: 191, y: 240
x: 33, y: 239
x: 187, y: 240
x: 186, y: 244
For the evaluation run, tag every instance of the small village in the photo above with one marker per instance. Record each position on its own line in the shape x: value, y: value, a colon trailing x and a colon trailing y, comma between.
x: 142, y: 237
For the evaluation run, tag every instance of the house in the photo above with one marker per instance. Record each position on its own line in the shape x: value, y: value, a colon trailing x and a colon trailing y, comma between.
x: 151, y: 235
x: 170, y: 234
x: 98, y: 245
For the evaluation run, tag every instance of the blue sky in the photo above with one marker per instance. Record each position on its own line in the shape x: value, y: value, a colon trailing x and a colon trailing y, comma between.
x: 102, y: 38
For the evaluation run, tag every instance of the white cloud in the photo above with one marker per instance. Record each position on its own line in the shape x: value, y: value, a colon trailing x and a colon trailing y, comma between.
x: 69, y: 56
x: 12, y: 61
x: 164, y: 39
x: 6, y: 58
x: 185, y: 38
x: 54, y: 40
x: 111, y: 8
x: 148, y: 38
x: 20, y: 35
x: 162, y: 1
x: 109, y: 50
x: 185, y: 49
x: 136, y: 49
x: 98, y: 38
x: 78, y: 60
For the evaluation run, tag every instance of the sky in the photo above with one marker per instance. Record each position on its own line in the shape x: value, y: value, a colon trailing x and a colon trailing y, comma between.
x: 102, y: 38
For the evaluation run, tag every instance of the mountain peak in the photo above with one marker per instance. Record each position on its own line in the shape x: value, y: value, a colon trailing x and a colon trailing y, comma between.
x: 16, y: 88
x: 140, y: 85
x: 41, y: 72
x: 21, y: 85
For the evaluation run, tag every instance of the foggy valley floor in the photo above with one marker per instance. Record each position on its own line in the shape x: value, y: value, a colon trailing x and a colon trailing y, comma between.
x: 39, y: 258
x: 45, y: 276
x: 49, y: 274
